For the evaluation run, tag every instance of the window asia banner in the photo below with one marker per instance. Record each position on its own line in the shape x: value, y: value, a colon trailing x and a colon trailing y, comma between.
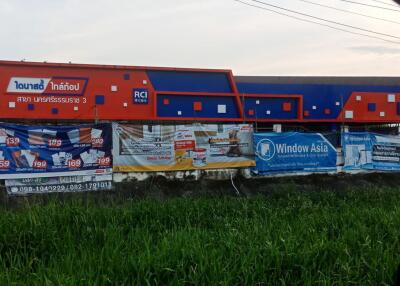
x: 293, y: 152
x: 371, y: 151
x: 142, y: 148
x: 53, y: 151
x: 66, y: 184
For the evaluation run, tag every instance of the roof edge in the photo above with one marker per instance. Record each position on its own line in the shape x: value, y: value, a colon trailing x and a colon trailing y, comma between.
x: 101, y: 66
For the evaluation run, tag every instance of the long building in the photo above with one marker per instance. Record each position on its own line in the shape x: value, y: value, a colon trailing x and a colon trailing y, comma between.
x: 78, y: 92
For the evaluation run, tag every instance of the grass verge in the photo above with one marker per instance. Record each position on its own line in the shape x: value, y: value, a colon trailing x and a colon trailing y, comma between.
x: 283, y: 238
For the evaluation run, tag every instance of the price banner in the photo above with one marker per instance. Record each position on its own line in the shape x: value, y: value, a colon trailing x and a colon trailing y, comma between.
x: 53, y: 151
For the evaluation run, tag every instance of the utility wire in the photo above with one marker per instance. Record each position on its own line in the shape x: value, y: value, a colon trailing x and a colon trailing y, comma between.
x: 317, y: 23
x: 386, y: 3
x: 350, y: 12
x: 369, y: 5
x: 325, y: 20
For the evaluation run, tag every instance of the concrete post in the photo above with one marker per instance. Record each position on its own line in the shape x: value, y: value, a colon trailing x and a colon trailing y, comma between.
x: 278, y: 128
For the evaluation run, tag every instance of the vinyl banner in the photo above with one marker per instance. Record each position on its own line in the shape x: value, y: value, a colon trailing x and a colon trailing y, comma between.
x: 141, y: 148
x: 371, y: 151
x: 59, y: 184
x: 52, y: 151
x: 293, y: 152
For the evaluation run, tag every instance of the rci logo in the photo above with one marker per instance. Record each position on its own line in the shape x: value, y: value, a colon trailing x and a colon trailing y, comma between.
x: 266, y: 149
x: 140, y: 96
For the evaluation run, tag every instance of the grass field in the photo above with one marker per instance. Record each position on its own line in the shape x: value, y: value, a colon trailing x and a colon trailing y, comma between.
x: 284, y: 238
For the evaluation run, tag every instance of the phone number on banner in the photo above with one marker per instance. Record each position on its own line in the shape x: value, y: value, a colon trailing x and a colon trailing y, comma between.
x: 77, y: 187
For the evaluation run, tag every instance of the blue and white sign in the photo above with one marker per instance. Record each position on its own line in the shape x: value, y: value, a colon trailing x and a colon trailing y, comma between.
x: 371, y: 151
x: 140, y: 96
x: 293, y: 152
x: 53, y: 151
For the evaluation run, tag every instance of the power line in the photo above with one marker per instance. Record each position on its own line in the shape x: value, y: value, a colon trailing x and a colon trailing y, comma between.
x: 369, y: 5
x: 350, y: 12
x: 317, y: 23
x: 325, y: 20
x: 386, y: 3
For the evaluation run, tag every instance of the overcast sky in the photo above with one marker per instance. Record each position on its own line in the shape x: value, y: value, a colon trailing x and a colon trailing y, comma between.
x: 198, y: 33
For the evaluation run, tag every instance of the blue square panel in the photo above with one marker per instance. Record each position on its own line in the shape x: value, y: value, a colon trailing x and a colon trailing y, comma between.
x: 31, y: 106
x: 99, y: 99
x: 398, y: 108
x: 54, y: 110
x: 127, y: 76
x: 371, y: 106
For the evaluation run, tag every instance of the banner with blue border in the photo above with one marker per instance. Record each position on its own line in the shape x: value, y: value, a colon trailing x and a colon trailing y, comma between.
x: 49, y: 151
x: 293, y: 152
x: 371, y: 151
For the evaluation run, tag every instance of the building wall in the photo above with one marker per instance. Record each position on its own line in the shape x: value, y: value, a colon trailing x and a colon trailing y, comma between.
x: 171, y: 94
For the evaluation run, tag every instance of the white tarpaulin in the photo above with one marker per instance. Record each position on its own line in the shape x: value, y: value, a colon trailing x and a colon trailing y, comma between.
x: 139, y: 148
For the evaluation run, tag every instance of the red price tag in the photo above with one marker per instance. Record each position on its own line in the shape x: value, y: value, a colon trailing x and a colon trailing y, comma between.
x: 104, y: 161
x: 74, y: 164
x: 97, y: 142
x: 39, y: 164
x: 12, y: 141
x: 55, y: 143
x: 4, y: 164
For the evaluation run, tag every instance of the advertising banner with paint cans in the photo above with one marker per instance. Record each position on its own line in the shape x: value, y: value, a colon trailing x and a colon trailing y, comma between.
x: 146, y: 148
x: 293, y: 152
x: 51, y: 151
x: 371, y: 151
x: 68, y: 184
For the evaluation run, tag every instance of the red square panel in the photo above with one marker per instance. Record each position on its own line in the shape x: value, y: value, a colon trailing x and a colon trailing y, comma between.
x: 197, y: 106
x: 251, y: 112
x: 306, y: 113
x: 327, y: 111
x: 287, y: 106
x: 166, y: 101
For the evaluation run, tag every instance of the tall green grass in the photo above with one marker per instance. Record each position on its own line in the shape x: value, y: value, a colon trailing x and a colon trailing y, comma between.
x: 288, y: 238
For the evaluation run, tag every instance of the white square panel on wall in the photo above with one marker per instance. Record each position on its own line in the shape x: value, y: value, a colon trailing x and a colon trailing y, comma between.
x: 382, y: 114
x: 11, y: 104
x: 221, y: 108
x: 391, y: 97
x: 349, y: 114
x: 358, y: 98
x: 114, y: 88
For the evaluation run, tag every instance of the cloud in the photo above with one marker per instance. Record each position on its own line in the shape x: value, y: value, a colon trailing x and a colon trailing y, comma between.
x: 191, y: 33
x: 377, y: 50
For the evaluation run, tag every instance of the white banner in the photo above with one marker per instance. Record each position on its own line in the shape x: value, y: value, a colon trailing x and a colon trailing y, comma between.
x: 59, y: 184
x: 140, y: 148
